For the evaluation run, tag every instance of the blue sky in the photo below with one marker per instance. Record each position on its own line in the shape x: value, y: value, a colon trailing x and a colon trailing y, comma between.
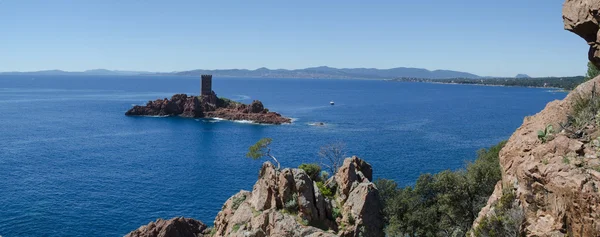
x: 490, y: 38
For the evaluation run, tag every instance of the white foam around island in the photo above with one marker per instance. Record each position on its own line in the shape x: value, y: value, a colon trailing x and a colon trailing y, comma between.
x: 242, y: 121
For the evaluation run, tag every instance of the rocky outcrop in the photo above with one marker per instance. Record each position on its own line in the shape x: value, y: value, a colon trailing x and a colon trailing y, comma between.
x: 288, y: 203
x: 176, y: 227
x: 208, y: 106
x: 556, y: 183
x: 581, y: 17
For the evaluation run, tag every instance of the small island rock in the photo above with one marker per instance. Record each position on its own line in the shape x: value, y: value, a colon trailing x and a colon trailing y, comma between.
x: 208, y: 106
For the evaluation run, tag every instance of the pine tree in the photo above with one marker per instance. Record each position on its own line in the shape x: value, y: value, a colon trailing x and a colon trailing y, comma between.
x: 592, y: 71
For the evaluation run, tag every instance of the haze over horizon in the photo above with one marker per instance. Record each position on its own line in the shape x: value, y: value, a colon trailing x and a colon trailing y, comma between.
x: 484, y: 38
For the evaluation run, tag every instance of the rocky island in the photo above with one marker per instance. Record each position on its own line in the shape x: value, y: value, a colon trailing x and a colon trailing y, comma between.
x: 208, y: 105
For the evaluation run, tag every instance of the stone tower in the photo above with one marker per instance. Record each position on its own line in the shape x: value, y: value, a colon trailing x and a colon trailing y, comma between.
x: 206, y: 84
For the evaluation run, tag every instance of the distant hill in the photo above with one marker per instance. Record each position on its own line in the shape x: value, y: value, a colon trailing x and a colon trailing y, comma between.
x: 329, y: 72
x: 97, y: 72
x: 313, y: 72
x: 522, y: 76
x: 113, y: 72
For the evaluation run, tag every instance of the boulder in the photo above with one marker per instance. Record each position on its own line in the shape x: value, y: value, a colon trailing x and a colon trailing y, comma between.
x: 353, y: 170
x: 265, y: 194
x: 306, y: 196
x: 256, y: 107
x: 364, y: 207
x: 176, y: 227
x: 223, y: 219
x: 192, y: 108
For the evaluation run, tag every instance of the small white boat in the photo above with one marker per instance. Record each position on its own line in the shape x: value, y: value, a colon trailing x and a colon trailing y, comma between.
x: 331, y: 102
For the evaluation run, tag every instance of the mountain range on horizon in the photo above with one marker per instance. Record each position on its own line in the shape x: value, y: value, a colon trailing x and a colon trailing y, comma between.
x: 322, y: 72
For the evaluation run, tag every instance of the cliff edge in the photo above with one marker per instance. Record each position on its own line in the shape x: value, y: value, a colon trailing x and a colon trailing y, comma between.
x: 551, y: 164
x: 555, y: 182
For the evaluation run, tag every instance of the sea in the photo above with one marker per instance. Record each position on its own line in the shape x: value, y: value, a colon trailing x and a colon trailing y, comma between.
x: 72, y: 164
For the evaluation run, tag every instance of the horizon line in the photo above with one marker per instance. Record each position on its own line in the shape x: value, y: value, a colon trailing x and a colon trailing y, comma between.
x: 289, y: 69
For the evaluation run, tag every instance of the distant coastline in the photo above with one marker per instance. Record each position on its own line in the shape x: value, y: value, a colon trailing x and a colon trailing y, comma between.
x: 453, y: 83
x: 322, y: 72
x: 562, y: 83
x: 393, y: 74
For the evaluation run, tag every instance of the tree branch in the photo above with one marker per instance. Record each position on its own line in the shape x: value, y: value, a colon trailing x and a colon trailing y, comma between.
x: 273, y: 157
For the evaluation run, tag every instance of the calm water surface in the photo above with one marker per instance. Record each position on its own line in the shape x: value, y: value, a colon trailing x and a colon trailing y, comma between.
x: 72, y: 164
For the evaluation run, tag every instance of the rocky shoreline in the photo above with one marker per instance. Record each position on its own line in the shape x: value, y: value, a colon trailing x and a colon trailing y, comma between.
x: 288, y: 202
x: 208, y: 106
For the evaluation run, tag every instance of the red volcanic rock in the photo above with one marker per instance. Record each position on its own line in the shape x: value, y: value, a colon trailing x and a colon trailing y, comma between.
x: 243, y: 114
x: 176, y: 227
x: 256, y: 107
x: 208, y: 106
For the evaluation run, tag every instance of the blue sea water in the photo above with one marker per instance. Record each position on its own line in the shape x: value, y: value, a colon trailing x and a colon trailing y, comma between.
x: 72, y: 164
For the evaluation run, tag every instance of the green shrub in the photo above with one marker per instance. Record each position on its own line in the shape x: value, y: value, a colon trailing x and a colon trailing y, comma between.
x: 224, y: 102
x: 505, y: 219
x: 441, y: 204
x: 566, y: 160
x: 351, y: 220
x: 256, y: 213
x: 362, y: 231
x: 325, y: 190
x: 324, y: 175
x: 303, y: 221
x: 546, y: 134
x: 237, y: 201
x: 335, y: 213
x: 291, y: 206
x: 592, y: 71
x: 545, y: 161
x: 312, y: 170
x: 212, y: 231
x: 236, y: 227
x: 584, y: 111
